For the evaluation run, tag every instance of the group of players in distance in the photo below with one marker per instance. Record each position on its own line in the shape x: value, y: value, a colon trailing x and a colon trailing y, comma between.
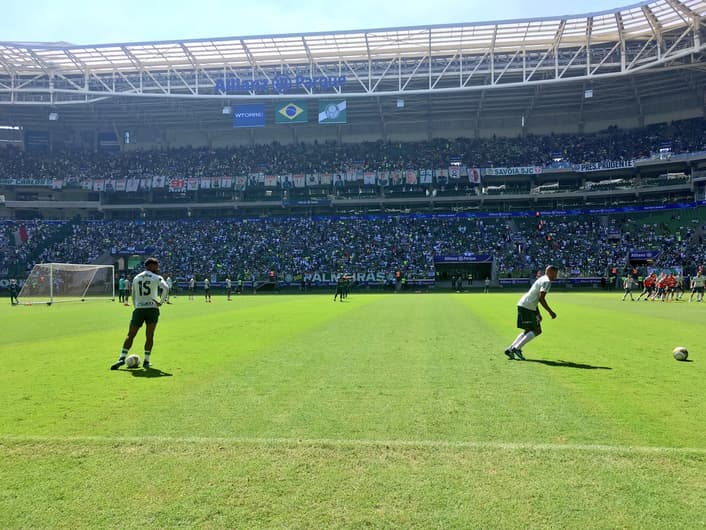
x: 665, y: 287
x: 150, y: 291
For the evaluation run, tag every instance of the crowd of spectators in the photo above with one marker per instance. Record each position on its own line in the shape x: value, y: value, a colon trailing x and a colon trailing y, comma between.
x: 582, y: 246
x: 244, y: 248
x: 321, y: 157
x: 20, y: 243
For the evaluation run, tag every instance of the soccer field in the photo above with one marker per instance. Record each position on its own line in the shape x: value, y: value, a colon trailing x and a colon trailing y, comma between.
x: 386, y: 410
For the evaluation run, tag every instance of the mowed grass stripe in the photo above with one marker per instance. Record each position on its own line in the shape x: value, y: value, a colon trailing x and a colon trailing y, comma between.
x: 70, y: 443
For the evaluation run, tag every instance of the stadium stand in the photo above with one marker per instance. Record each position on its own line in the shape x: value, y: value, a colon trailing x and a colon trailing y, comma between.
x: 686, y: 136
x: 583, y: 246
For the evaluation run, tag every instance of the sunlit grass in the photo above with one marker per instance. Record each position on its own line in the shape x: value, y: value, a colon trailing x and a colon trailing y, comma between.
x: 384, y: 411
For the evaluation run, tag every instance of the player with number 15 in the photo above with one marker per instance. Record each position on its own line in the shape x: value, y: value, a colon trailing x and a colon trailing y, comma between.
x: 146, y: 299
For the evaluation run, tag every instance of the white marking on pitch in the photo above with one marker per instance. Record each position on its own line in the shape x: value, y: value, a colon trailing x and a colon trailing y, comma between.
x: 394, y: 444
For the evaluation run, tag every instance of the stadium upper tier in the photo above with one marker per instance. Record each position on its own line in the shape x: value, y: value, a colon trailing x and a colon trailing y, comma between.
x: 650, y: 35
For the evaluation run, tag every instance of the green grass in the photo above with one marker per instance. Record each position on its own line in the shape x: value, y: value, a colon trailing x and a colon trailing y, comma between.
x: 385, y: 411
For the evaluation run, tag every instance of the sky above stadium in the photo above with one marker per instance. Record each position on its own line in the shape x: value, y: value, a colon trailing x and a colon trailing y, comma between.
x: 96, y: 22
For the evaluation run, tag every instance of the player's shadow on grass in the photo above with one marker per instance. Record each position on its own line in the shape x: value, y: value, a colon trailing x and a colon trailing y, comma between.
x: 149, y: 372
x: 567, y: 364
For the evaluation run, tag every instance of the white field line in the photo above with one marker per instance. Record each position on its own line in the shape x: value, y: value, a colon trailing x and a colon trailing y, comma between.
x: 331, y: 442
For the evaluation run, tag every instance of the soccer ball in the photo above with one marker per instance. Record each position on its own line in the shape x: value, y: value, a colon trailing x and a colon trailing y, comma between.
x: 132, y: 361
x: 680, y: 353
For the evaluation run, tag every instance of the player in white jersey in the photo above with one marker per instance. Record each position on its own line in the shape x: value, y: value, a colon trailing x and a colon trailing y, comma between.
x: 229, y: 287
x: 192, y: 286
x: 697, y: 287
x: 628, y: 284
x: 146, y: 299
x: 170, y: 284
x: 207, y: 290
x: 529, y: 318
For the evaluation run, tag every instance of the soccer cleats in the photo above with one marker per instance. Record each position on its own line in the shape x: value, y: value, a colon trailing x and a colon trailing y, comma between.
x: 146, y: 365
x: 117, y: 365
x: 514, y: 353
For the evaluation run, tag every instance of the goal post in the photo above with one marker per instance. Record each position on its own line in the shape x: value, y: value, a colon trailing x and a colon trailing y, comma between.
x: 51, y: 283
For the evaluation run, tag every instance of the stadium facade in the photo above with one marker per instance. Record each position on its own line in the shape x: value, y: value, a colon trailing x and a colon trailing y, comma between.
x: 628, y: 67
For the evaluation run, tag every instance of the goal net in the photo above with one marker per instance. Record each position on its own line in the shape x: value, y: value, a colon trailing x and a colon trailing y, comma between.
x: 68, y: 282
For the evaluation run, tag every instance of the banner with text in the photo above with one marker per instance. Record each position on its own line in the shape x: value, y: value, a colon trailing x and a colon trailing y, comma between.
x: 604, y: 166
x: 505, y: 171
x: 252, y: 115
x: 644, y: 255
x: 465, y: 258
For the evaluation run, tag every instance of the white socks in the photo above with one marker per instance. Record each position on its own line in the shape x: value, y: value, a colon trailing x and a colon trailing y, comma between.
x: 522, y: 339
x: 517, y: 340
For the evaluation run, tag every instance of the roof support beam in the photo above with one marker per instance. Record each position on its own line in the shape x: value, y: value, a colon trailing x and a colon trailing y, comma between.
x: 555, y: 45
x: 683, y: 11
x: 133, y: 59
x: 491, y: 49
x: 589, y: 32
x: 654, y: 24
x: 248, y: 53
x: 189, y: 55
x: 621, y: 36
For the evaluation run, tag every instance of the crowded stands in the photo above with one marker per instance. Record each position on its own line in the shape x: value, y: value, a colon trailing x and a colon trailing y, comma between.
x: 613, y: 144
x: 583, y: 246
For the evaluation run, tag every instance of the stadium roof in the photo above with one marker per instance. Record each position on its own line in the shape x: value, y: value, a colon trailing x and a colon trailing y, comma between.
x: 661, y: 39
x: 643, y: 22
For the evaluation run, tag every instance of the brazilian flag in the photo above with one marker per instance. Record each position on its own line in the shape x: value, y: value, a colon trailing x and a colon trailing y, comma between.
x: 291, y: 112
